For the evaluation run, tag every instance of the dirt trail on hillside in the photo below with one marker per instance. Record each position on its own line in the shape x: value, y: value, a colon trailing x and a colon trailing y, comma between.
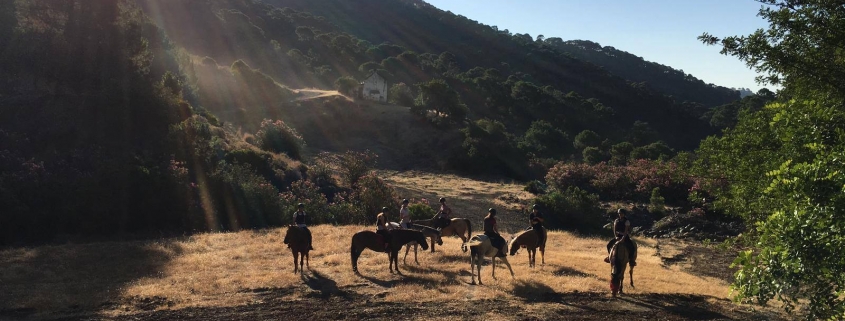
x: 312, y: 93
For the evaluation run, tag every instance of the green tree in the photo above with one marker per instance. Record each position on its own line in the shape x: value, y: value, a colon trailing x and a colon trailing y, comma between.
x: 346, y: 85
x: 587, y: 138
x: 438, y: 96
x: 620, y: 153
x: 593, y: 155
x: 545, y: 140
x: 401, y: 95
x: 785, y: 161
x: 656, y: 202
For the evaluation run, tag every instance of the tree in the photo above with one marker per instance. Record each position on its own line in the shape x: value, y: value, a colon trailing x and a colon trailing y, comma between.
x: 401, y: 95
x: 784, y: 162
x: 586, y: 138
x: 346, y: 85
x: 545, y: 140
x: 593, y: 155
x: 438, y: 96
x: 619, y: 153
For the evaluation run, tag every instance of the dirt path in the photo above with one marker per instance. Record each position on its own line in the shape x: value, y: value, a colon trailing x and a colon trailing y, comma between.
x: 311, y: 93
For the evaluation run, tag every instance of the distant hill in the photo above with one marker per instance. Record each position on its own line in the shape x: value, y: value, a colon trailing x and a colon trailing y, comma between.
x: 511, y: 78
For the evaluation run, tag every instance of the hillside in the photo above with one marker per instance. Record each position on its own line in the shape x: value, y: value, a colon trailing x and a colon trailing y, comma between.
x: 500, y: 76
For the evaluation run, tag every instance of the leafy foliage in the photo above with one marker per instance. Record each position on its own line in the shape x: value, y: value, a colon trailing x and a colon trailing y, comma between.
x: 278, y: 137
x: 784, y: 161
x: 572, y: 209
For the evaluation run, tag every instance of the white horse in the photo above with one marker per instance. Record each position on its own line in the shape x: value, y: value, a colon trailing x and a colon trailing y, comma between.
x: 480, y: 247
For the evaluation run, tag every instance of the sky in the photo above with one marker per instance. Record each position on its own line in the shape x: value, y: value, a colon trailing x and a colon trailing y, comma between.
x: 662, y: 31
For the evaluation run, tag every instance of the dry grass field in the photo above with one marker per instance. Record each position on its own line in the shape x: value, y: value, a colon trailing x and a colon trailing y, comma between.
x: 249, y: 275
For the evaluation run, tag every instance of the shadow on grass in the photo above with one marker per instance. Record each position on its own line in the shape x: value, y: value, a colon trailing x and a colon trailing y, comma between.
x: 567, y: 271
x: 323, y: 284
x: 689, y: 307
x: 72, y: 279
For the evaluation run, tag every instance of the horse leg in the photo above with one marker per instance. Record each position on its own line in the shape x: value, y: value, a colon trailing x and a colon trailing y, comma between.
x: 493, y: 263
x: 531, y: 258
x: 479, y: 260
x: 631, y: 274
x: 295, y: 261
x: 396, y: 261
x: 472, y: 269
x: 405, y: 258
x: 301, y: 262
x: 504, y: 259
x: 543, y: 255
x: 415, y: 254
x: 432, y: 245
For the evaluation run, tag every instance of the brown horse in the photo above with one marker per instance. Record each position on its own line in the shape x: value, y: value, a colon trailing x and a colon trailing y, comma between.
x: 457, y: 227
x: 618, y: 260
x: 480, y: 247
x: 371, y: 240
x: 297, y: 241
x: 429, y: 232
x: 529, y: 239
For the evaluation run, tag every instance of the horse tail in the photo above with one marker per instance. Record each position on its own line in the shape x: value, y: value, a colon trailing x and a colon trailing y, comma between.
x: 469, y: 228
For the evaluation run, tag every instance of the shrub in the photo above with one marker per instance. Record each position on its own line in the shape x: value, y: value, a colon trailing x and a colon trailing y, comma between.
x: 278, y: 137
x: 370, y: 194
x: 316, y: 205
x: 656, y: 203
x: 535, y: 187
x: 565, y: 175
x: 249, y: 200
x: 572, y: 209
x: 421, y: 210
x: 350, y: 166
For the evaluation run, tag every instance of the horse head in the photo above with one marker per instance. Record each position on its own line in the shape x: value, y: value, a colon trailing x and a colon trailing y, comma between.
x: 515, y: 245
x: 420, y: 238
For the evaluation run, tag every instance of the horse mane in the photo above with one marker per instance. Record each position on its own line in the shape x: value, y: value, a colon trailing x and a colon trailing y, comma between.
x: 424, y: 228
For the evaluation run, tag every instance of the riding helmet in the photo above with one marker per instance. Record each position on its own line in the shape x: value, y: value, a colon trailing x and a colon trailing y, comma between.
x: 384, y: 209
x: 405, y: 201
x: 535, y: 206
x: 300, y: 205
x: 492, y: 210
x: 622, y: 211
x: 442, y: 199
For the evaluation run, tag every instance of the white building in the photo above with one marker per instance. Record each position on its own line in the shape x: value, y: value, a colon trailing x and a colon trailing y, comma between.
x: 374, y: 87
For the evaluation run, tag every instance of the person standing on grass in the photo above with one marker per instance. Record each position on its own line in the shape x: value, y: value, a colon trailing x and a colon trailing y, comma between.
x: 622, y: 231
x: 444, y: 215
x: 299, y: 218
x: 383, y: 227
x: 405, y: 215
x: 491, y: 229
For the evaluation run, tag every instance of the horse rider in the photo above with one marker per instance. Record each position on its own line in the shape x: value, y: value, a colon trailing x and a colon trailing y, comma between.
x: 299, y: 218
x: 622, y: 230
x: 491, y: 229
x: 443, y: 215
x: 383, y: 227
x: 535, y: 219
x: 405, y: 215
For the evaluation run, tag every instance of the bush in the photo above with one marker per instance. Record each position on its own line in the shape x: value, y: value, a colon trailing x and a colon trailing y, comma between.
x: 370, y: 194
x: 278, y: 137
x: 572, y: 209
x: 316, y: 205
x: 421, y: 210
x: 656, y: 203
x: 535, y: 187
x: 255, y: 203
x: 350, y: 166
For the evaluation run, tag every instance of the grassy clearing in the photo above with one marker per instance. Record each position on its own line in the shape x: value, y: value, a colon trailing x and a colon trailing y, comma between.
x: 225, y: 269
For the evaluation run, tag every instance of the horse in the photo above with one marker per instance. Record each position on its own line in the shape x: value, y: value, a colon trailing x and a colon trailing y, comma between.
x: 480, y: 247
x: 457, y: 227
x: 618, y: 259
x: 373, y: 241
x: 297, y: 241
x: 429, y: 232
x: 529, y: 239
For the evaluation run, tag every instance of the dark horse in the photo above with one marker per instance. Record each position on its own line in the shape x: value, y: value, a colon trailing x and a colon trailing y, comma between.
x: 529, y: 240
x: 398, y: 238
x: 618, y: 260
x: 297, y: 240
